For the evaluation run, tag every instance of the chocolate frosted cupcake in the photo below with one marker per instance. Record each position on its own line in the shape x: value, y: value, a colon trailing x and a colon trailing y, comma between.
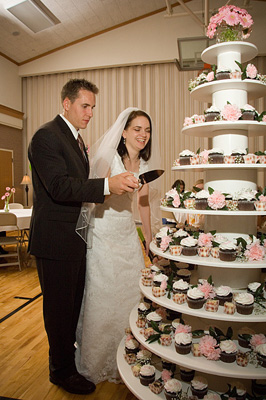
x: 244, y: 303
x: 147, y: 374
x: 185, y: 157
x: 195, y: 298
x: 216, y: 156
x: 172, y: 389
x: 227, y: 251
x: 228, y: 351
x: 212, y: 114
x: 199, y: 386
x: 189, y: 245
x: 183, y: 342
x: 223, y: 294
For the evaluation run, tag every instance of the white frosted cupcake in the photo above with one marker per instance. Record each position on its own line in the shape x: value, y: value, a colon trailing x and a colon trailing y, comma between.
x: 212, y: 114
x: 216, y: 156
x: 195, y: 298
x: 228, y: 351
x: 223, y: 294
x: 159, y: 278
x: 199, y: 386
x: 153, y: 317
x: 201, y: 200
x: 253, y: 286
x: 261, y: 354
x: 189, y: 245
x: 244, y: 303
x: 248, y: 112
x: 172, y: 389
x: 147, y: 374
x: 185, y: 157
x: 183, y: 342
x: 227, y: 251
x: 180, y: 286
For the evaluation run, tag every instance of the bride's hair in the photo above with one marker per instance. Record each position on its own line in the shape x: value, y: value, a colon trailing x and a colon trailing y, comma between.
x: 145, y: 153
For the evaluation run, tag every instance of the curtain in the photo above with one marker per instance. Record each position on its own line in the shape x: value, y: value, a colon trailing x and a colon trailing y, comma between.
x: 160, y: 89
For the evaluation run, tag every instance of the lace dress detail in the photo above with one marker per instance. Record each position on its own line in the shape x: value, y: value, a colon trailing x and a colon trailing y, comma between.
x: 112, y: 284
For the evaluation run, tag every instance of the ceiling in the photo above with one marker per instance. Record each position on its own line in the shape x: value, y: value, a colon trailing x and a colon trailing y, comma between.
x: 80, y: 19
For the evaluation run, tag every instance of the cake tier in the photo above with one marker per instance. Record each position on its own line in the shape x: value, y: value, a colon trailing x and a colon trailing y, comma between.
x: 204, y: 92
x: 212, y: 129
x: 209, y: 261
x: 212, y: 212
x: 239, y: 51
x: 207, y: 167
x: 133, y: 383
x: 200, y: 313
x: 198, y: 363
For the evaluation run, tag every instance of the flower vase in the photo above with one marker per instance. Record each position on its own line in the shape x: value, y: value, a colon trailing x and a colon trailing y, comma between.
x: 226, y: 33
x: 6, y: 208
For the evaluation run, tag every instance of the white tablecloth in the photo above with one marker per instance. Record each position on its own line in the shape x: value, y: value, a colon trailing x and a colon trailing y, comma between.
x: 23, y: 218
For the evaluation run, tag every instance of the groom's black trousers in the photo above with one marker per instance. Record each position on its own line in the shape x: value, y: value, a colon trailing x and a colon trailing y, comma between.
x: 62, y: 284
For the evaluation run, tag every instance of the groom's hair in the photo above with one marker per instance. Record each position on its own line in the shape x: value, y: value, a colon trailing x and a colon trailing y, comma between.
x: 144, y: 153
x: 71, y: 89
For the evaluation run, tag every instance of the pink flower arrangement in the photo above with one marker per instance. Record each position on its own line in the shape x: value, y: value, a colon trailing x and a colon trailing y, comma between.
x: 251, y: 71
x: 216, y: 200
x: 262, y: 198
x: 208, y: 346
x: 210, y: 76
x: 231, y: 112
x: 256, y: 340
x: 166, y: 375
x: 207, y: 289
x: 205, y: 239
x: 176, y: 201
x: 204, y: 155
x: 163, y: 284
x: 183, y: 329
x: 188, y: 121
x: 230, y: 16
x: 255, y: 252
x: 165, y: 243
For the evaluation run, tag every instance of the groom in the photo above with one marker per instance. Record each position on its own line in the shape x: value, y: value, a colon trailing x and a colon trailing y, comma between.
x: 60, y: 169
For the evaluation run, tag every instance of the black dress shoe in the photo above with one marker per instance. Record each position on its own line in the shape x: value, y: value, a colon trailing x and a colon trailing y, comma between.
x: 3, y: 251
x: 75, y: 383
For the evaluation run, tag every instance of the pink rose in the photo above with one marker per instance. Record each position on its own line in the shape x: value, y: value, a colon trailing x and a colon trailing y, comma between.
x: 188, y: 121
x: 251, y: 71
x: 163, y: 284
x: 256, y: 340
x: 255, y: 252
x: 264, y: 243
x: 166, y: 375
x: 262, y: 198
x: 210, y: 76
x: 231, y: 112
x: 171, y: 193
x: 264, y: 118
x: 183, y: 328
x: 216, y: 200
x: 165, y: 243
x: 205, y: 240
x: 176, y: 202
x: 208, y: 346
x: 204, y: 156
x: 207, y: 289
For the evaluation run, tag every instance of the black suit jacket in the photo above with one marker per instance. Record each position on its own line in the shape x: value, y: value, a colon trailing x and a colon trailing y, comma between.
x: 60, y: 185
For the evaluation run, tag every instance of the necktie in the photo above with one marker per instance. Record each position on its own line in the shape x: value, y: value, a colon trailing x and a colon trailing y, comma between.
x: 81, y: 146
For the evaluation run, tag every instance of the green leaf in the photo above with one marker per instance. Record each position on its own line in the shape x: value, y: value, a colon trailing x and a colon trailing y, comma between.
x: 210, y: 190
x: 229, y: 333
x: 240, y: 66
x: 153, y: 338
x: 197, y: 333
x: 154, y: 325
x: 209, y: 280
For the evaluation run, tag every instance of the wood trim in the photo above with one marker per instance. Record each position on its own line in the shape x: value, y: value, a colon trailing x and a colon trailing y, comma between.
x: 8, y: 58
x: 11, y: 112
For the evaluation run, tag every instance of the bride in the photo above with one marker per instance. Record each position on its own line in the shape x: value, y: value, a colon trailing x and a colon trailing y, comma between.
x: 115, y: 257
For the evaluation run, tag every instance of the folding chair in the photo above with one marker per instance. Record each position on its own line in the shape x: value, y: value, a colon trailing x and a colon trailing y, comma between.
x: 8, y: 222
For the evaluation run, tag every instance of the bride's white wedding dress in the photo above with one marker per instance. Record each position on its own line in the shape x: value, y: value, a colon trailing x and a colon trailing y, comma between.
x: 112, y: 284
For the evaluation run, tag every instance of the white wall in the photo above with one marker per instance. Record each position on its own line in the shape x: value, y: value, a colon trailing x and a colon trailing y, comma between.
x: 10, y: 84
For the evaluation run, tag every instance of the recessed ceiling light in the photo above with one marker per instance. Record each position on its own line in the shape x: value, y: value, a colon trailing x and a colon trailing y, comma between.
x: 32, y: 13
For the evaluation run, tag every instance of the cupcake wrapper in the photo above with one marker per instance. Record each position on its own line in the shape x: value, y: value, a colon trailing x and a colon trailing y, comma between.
x: 229, y: 309
x: 212, y: 306
x: 229, y: 159
x: 204, y: 251
x: 166, y: 340
x: 175, y: 250
x: 215, y: 252
x: 146, y: 281
x: 179, y: 298
x: 260, y: 205
x: 141, y: 323
x: 157, y: 291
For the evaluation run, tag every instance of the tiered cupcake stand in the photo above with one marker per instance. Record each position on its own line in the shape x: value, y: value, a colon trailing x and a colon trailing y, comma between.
x: 227, y: 178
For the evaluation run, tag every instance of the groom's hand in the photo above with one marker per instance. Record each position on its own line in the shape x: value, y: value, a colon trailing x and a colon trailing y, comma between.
x: 125, y: 182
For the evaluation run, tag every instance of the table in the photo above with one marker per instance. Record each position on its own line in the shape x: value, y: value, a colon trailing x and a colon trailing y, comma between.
x: 23, y: 218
